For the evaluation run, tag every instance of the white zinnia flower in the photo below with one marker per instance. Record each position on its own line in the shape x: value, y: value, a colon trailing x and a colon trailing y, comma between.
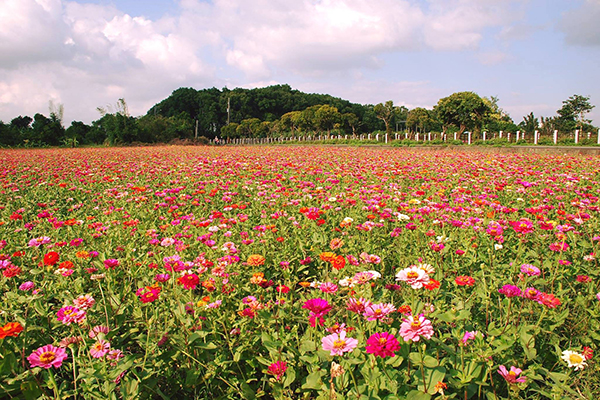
x: 574, y: 359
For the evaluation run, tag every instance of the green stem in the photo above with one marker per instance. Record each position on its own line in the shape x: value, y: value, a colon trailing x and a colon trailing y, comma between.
x: 74, y: 374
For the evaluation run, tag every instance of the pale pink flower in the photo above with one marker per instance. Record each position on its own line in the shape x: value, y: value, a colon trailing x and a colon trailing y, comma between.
x: 338, y: 344
x: 84, y: 302
x: 100, y: 348
x: 413, y: 276
x: 412, y: 329
x: 98, y: 331
x: 511, y: 376
x: 328, y: 287
x: 357, y: 305
x: 374, y: 312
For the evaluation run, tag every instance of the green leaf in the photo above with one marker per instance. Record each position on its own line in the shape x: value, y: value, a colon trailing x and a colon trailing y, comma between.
x: 290, y: 377
x: 417, y: 395
x: 313, y: 381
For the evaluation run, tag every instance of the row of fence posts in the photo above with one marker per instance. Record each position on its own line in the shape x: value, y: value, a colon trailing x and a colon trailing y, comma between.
x: 425, y: 137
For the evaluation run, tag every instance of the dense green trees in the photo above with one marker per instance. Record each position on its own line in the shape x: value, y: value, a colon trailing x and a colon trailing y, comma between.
x: 279, y: 110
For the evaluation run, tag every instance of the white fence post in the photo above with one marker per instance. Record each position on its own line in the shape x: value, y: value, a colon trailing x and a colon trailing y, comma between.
x: 484, y: 133
x: 500, y: 134
x: 576, y: 136
x: 555, y: 136
x: 469, y: 138
x: 535, y: 137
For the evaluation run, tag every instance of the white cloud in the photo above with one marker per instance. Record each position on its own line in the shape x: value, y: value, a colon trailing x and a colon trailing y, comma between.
x: 581, y: 25
x: 88, y: 55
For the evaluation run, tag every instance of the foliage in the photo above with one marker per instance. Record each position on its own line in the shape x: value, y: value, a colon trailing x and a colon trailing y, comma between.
x: 465, y: 110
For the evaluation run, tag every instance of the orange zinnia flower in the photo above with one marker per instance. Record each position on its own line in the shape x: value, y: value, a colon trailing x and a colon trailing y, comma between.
x: 10, y: 329
x: 255, y: 260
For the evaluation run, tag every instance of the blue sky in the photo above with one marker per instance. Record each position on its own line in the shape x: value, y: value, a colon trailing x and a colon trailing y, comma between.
x: 84, y: 54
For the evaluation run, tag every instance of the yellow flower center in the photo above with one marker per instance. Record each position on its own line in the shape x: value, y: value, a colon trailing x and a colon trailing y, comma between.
x: 382, y: 341
x: 415, y: 325
x: 47, y: 357
x: 512, y: 373
x: 575, y: 358
x: 339, y: 344
x: 412, y: 275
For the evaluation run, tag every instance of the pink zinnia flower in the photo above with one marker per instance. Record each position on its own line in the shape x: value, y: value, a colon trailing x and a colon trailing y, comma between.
x: 69, y: 314
x: 329, y: 287
x: 84, y: 302
x: 374, y: 312
x: 47, y: 356
x: 318, y: 308
x: 338, y: 344
x: 98, y: 331
x: 111, y: 263
x: 414, y: 276
x: 559, y: 246
x: 382, y: 345
x: 357, y: 306
x: 512, y: 375
x: 530, y: 270
x: 277, y: 369
x: 26, y: 286
x: 100, y: 348
x: 531, y: 293
x: 412, y: 329
x: 469, y: 335
x: 510, y: 291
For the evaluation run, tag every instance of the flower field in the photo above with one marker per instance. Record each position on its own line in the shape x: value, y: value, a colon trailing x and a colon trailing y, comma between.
x: 301, y: 273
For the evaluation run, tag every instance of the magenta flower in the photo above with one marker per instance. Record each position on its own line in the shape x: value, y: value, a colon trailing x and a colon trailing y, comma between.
x: 338, y: 344
x: 318, y: 308
x: 531, y: 294
x: 26, y: 286
x: 510, y: 291
x: 512, y: 375
x: 47, y: 356
x: 69, y: 314
x: 375, y: 312
x: 413, y: 329
x: 469, y: 335
x: 382, y: 345
x: 277, y: 369
x: 111, y: 263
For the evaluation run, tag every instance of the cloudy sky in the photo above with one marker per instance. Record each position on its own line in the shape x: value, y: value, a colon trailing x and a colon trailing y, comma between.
x: 532, y: 54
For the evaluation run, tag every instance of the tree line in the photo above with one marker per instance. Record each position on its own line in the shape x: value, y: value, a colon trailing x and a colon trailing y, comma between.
x: 279, y: 110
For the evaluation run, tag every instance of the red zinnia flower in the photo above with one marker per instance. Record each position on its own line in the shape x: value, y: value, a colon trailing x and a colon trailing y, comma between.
x: 189, y: 281
x: 338, y: 262
x: 432, y: 284
x: 278, y: 369
x: 464, y: 280
x: 51, y: 258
